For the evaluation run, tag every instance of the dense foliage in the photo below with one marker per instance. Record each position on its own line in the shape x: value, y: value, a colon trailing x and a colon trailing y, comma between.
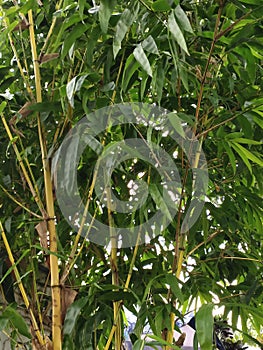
x: 200, y: 59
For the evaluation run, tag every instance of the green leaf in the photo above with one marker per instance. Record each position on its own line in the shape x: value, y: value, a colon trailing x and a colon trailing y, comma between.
x: 158, y: 81
x: 183, y: 19
x: 105, y: 11
x: 176, y: 290
x: 246, y: 141
x: 176, y: 123
x: 242, y: 156
x: 149, y: 45
x: 127, y: 18
x: 70, y: 88
x: 247, y: 153
x: 72, y: 315
x: 161, y: 6
x: 130, y: 68
x: 231, y: 155
x: 158, y: 199
x: 3, y: 322
x: 17, y: 321
x: 45, y: 106
x: 176, y: 32
x: 142, y: 59
x: 204, y: 326
x: 252, y: 2
x: 139, y: 344
x: 75, y: 34
x: 2, y: 106
x: 162, y: 341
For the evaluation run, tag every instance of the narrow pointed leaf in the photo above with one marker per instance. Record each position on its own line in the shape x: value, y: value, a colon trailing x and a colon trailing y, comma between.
x: 251, y: 156
x: 161, y: 6
x: 105, y: 11
x: 242, y: 156
x: 141, y: 57
x: 176, y: 32
x: 176, y: 123
x: 17, y: 321
x: 183, y: 19
x: 204, y: 326
x: 125, y: 21
x: 149, y: 45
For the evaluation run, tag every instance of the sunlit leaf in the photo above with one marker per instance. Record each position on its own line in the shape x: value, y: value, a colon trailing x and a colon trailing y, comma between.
x: 141, y: 57
x: 176, y: 32
x: 150, y: 45
x: 183, y: 19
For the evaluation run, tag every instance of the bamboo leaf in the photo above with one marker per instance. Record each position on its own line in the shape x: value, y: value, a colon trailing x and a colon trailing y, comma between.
x: 176, y: 123
x: 105, y: 11
x: 242, y: 156
x: 125, y: 21
x: 231, y: 155
x: 204, y: 326
x: 176, y: 290
x: 2, y: 106
x: 142, y: 59
x: 183, y: 19
x: 70, y: 89
x: 161, y: 6
x: 72, y: 315
x: 248, y: 154
x: 176, y: 32
x: 158, y: 199
x: 17, y: 321
x: 139, y: 344
x: 149, y: 45
x: 72, y: 38
x: 131, y: 67
x: 246, y: 141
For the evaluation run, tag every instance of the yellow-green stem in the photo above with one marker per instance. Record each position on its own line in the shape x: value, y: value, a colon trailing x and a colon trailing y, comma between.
x: 55, y: 287
x: 40, y: 339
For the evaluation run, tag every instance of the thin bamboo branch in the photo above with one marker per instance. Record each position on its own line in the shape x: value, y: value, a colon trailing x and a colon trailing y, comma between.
x: 70, y: 263
x: 204, y: 77
x: 55, y: 287
x: 25, y: 79
x: 19, y: 203
x: 212, y: 236
x: 23, y: 168
x: 40, y: 339
x: 51, y: 29
x: 114, y: 326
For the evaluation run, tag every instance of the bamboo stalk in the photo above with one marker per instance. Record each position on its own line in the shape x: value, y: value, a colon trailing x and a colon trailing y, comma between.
x: 55, y: 287
x: 181, y: 246
x: 40, y: 339
x: 114, y: 271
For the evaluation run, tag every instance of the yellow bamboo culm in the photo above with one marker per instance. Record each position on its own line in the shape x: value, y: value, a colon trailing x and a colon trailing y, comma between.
x: 55, y: 286
x: 40, y: 339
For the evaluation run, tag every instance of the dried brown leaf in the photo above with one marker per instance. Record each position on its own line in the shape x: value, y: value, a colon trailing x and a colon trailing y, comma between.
x: 21, y: 25
x: 43, y: 234
x: 180, y: 340
x: 68, y: 295
x: 48, y: 57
